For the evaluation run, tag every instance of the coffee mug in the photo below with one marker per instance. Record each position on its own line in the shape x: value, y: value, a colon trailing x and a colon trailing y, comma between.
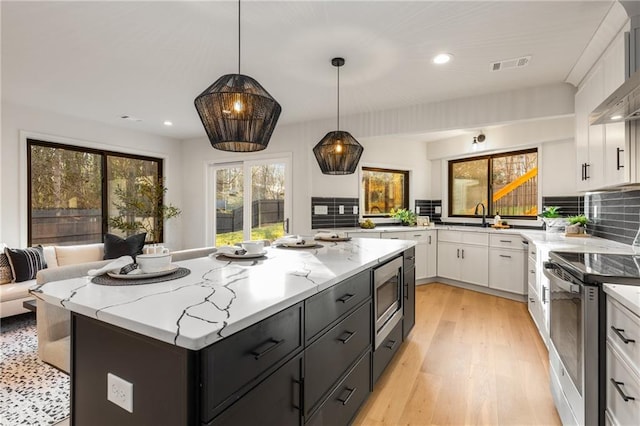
x: 253, y: 247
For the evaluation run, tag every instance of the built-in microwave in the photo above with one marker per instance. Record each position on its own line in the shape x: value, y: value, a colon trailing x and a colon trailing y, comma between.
x: 387, y: 298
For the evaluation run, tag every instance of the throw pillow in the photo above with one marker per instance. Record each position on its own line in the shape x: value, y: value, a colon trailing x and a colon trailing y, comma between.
x: 25, y: 263
x: 114, y: 246
x: 5, y: 269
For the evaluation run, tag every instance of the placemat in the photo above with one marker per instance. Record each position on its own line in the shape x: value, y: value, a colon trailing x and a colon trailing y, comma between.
x: 107, y: 280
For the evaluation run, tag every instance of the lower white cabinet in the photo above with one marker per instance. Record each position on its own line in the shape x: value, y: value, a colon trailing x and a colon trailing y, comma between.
x: 426, y: 249
x: 463, y: 262
x: 363, y: 234
x: 506, y: 270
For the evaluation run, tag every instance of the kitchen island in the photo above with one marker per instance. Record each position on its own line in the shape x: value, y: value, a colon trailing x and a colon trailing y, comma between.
x: 278, y: 338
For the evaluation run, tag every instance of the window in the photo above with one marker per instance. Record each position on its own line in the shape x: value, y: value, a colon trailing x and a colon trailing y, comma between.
x: 383, y: 190
x: 69, y: 198
x: 509, y: 180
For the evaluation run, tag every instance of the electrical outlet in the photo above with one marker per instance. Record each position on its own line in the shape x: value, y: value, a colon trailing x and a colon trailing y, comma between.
x: 120, y: 392
x: 320, y: 210
x: 417, y: 209
x: 341, y: 209
x: 438, y: 210
x: 355, y: 209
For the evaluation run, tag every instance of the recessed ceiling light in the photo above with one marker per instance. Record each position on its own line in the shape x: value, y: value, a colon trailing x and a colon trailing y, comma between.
x: 168, y: 123
x: 442, y: 58
x: 616, y: 117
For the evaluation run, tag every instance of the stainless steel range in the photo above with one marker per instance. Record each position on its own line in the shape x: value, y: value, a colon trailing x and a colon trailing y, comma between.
x: 577, y: 329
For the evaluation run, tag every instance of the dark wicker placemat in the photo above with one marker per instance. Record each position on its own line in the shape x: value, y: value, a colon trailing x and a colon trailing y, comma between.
x: 107, y: 280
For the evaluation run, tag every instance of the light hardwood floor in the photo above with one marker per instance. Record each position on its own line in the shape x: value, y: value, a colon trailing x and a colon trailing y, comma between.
x: 472, y: 358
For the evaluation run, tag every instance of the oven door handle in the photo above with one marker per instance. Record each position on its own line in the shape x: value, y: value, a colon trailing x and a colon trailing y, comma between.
x: 567, y: 286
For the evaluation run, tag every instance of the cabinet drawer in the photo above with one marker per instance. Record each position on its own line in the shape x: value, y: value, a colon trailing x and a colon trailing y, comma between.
x: 475, y: 238
x: 363, y: 234
x: 627, y: 326
x: 506, y: 241
x: 276, y: 401
x: 621, y: 383
x: 406, y: 235
x: 385, y: 352
x: 329, y: 357
x: 409, y: 258
x: 532, y: 279
x: 327, y: 307
x: 344, y: 401
x: 232, y: 363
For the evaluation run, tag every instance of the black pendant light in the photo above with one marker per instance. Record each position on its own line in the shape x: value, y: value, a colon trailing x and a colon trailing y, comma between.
x: 238, y: 114
x: 338, y: 153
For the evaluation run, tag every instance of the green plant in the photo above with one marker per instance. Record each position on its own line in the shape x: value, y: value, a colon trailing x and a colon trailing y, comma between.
x: 404, y: 215
x: 550, y: 212
x: 142, y: 209
x: 580, y: 219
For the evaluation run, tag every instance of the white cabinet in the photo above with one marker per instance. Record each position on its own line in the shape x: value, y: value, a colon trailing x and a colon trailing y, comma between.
x: 507, y: 257
x: 602, y: 151
x: 464, y: 256
x: 426, y: 249
x: 623, y: 365
x: 363, y: 234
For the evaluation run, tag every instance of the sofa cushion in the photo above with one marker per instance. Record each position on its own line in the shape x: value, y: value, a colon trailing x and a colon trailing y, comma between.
x: 72, y: 255
x: 15, y: 291
x: 5, y: 269
x: 50, y: 256
x: 115, y: 247
x: 25, y: 263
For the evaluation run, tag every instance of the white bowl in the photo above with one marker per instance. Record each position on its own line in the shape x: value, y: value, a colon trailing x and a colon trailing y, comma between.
x: 253, y: 247
x: 149, y: 263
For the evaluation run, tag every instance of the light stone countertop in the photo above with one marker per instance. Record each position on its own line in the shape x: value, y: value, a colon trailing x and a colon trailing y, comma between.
x: 221, y: 296
x: 627, y: 295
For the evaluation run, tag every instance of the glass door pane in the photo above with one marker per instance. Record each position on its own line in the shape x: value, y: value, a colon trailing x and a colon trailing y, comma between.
x: 267, y: 201
x: 229, y: 205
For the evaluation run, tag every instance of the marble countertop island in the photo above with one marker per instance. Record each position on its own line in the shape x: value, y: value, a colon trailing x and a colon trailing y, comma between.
x: 221, y: 296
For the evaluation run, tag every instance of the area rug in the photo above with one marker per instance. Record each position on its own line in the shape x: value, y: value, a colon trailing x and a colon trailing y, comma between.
x: 31, y: 392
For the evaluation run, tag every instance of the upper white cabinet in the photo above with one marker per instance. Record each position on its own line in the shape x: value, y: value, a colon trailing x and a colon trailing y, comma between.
x: 602, y: 151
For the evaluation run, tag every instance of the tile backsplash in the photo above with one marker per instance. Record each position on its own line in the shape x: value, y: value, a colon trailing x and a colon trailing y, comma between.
x: 332, y: 218
x: 613, y: 215
x: 569, y: 205
x: 428, y: 208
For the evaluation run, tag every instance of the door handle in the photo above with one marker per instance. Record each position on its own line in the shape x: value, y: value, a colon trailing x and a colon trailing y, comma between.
x: 463, y: 253
x: 586, y: 171
x: 346, y: 399
x: 624, y: 396
x: 619, y: 332
x: 458, y: 255
x: 582, y: 171
x: 297, y: 404
x: 429, y: 239
x: 618, y: 165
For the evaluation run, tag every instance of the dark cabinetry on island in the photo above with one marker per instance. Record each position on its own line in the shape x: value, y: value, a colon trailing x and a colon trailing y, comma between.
x: 312, y: 363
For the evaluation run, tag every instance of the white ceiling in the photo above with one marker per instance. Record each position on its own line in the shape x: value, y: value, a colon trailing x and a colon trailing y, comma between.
x: 100, y: 60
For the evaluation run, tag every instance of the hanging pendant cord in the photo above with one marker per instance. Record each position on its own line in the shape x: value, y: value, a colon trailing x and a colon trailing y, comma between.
x: 338, y: 97
x: 239, y: 37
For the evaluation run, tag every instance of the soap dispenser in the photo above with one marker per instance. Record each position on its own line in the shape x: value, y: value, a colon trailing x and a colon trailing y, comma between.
x: 497, y: 220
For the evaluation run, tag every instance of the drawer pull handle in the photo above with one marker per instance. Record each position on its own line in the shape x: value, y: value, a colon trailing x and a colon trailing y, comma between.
x: 532, y: 300
x: 344, y: 340
x: 266, y: 347
x: 417, y: 235
x: 533, y: 271
x: 348, y: 397
x: 391, y: 344
x: 394, y: 238
x: 345, y: 298
x: 621, y: 392
x: 506, y: 241
x: 504, y: 255
x: 619, y: 332
x: 411, y: 258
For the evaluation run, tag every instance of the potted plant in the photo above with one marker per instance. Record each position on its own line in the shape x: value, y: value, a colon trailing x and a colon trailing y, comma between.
x: 407, y: 217
x: 553, y: 219
x: 577, y: 224
x: 142, y: 209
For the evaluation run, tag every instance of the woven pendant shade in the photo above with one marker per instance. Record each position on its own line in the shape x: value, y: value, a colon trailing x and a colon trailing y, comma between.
x: 238, y: 114
x: 338, y: 153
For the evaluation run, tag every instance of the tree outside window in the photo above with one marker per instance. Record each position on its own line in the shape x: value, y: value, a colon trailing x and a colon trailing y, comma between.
x: 384, y: 190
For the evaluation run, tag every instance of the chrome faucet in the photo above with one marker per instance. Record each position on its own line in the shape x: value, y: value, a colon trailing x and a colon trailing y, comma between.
x: 484, y: 215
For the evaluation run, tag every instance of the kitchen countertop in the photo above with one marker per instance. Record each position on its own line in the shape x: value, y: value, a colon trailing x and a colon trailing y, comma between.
x: 220, y: 296
x: 627, y: 295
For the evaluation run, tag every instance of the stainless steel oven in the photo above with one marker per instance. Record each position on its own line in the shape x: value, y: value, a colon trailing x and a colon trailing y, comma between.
x: 574, y: 330
x: 387, y: 298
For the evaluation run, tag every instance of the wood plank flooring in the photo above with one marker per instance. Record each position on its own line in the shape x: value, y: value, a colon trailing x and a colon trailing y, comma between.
x: 471, y: 358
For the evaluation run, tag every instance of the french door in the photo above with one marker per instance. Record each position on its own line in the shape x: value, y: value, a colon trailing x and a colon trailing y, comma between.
x: 251, y: 200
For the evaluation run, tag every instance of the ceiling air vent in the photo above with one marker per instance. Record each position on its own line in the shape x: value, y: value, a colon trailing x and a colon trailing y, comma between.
x: 506, y: 64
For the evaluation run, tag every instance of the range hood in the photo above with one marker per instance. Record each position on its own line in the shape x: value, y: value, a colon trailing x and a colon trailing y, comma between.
x: 624, y: 103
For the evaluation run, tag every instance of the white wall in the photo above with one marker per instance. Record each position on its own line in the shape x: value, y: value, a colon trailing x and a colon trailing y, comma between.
x: 59, y: 128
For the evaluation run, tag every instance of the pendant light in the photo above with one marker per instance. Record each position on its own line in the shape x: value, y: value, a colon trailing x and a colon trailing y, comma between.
x: 338, y: 153
x: 237, y: 113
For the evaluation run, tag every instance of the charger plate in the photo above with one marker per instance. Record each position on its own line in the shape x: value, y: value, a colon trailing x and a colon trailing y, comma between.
x: 107, y: 280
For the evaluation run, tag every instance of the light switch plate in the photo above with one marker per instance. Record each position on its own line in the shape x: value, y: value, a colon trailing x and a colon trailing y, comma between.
x: 355, y: 209
x: 120, y: 392
x: 438, y: 210
x: 417, y: 209
x: 340, y: 209
x: 320, y: 210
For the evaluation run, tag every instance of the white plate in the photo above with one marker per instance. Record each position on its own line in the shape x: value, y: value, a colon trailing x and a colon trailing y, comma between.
x: 242, y: 256
x: 307, y: 244
x: 333, y: 238
x: 169, y: 270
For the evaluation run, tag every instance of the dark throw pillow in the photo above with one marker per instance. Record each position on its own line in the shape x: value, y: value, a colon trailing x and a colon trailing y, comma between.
x: 114, y: 246
x: 25, y: 263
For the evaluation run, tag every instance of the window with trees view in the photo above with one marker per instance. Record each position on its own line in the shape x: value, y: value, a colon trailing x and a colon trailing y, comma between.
x: 383, y: 190
x: 73, y: 191
x: 507, y: 184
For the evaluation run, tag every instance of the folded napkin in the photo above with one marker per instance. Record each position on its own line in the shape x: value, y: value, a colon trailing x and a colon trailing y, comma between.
x: 289, y: 239
x: 238, y: 251
x: 116, y: 265
x: 326, y: 235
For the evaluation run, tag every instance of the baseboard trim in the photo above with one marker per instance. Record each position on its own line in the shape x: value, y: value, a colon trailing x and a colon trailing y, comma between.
x: 478, y: 288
